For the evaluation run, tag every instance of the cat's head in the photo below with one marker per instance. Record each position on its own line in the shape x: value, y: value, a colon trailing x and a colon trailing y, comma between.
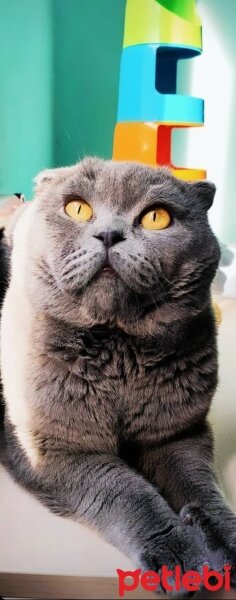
x: 114, y: 241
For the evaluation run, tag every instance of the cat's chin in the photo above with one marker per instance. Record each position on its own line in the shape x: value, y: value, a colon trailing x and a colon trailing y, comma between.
x: 103, y: 297
x: 107, y: 300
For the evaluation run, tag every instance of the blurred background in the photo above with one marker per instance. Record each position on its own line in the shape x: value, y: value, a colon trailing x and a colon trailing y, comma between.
x: 59, y: 69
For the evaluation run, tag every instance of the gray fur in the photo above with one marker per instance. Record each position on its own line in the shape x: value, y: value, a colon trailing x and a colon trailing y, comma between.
x: 122, y: 370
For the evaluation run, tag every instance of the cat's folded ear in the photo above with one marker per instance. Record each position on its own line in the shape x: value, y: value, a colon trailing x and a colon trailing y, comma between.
x: 202, y: 192
x: 50, y: 176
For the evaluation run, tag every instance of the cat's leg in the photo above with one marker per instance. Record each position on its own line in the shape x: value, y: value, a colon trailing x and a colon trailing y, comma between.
x: 103, y: 492
x: 184, y: 472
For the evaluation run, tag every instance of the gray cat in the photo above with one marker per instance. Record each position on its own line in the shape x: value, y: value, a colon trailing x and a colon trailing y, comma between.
x: 109, y: 360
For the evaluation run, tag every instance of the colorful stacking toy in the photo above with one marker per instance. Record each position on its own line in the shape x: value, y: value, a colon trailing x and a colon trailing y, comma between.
x: 157, y: 35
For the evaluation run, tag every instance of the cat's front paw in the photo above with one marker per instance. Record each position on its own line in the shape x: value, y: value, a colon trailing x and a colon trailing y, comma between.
x: 183, y: 547
x: 220, y: 533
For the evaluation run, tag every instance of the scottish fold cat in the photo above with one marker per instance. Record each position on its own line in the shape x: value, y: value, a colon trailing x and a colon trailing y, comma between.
x: 109, y: 360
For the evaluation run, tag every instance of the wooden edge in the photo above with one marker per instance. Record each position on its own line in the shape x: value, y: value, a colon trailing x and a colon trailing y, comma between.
x: 55, y: 587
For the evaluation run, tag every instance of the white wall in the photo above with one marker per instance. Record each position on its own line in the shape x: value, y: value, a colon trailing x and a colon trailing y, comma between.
x: 212, y: 77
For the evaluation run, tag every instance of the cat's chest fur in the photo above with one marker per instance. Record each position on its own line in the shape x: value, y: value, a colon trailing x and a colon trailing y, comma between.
x: 111, y: 386
x: 94, y: 390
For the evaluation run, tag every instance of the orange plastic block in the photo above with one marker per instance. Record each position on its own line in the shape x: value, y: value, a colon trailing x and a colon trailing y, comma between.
x: 150, y: 143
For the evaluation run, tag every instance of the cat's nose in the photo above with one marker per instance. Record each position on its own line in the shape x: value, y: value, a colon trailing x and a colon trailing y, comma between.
x: 110, y: 237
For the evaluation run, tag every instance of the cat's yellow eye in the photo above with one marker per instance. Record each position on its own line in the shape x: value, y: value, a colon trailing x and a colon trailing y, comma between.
x: 79, y: 210
x: 157, y: 218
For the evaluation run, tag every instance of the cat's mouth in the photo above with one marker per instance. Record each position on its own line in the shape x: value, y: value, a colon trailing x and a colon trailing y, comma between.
x: 107, y: 270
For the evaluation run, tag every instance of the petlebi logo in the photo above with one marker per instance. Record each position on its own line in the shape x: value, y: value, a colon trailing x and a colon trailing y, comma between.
x: 174, y: 580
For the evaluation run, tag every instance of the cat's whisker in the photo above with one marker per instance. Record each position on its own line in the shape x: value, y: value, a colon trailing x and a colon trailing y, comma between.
x: 73, y: 263
x: 181, y: 292
x: 70, y: 272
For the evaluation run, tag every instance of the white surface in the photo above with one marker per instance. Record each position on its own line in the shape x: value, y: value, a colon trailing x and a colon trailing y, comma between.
x: 35, y: 541
x: 223, y: 413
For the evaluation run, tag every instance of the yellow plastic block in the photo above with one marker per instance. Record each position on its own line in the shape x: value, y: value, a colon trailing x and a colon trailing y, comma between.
x: 150, y: 143
x: 147, y: 22
x: 217, y: 312
x: 136, y: 141
x: 189, y: 174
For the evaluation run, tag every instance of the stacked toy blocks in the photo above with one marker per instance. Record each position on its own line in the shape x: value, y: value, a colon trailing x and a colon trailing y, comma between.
x: 157, y: 35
